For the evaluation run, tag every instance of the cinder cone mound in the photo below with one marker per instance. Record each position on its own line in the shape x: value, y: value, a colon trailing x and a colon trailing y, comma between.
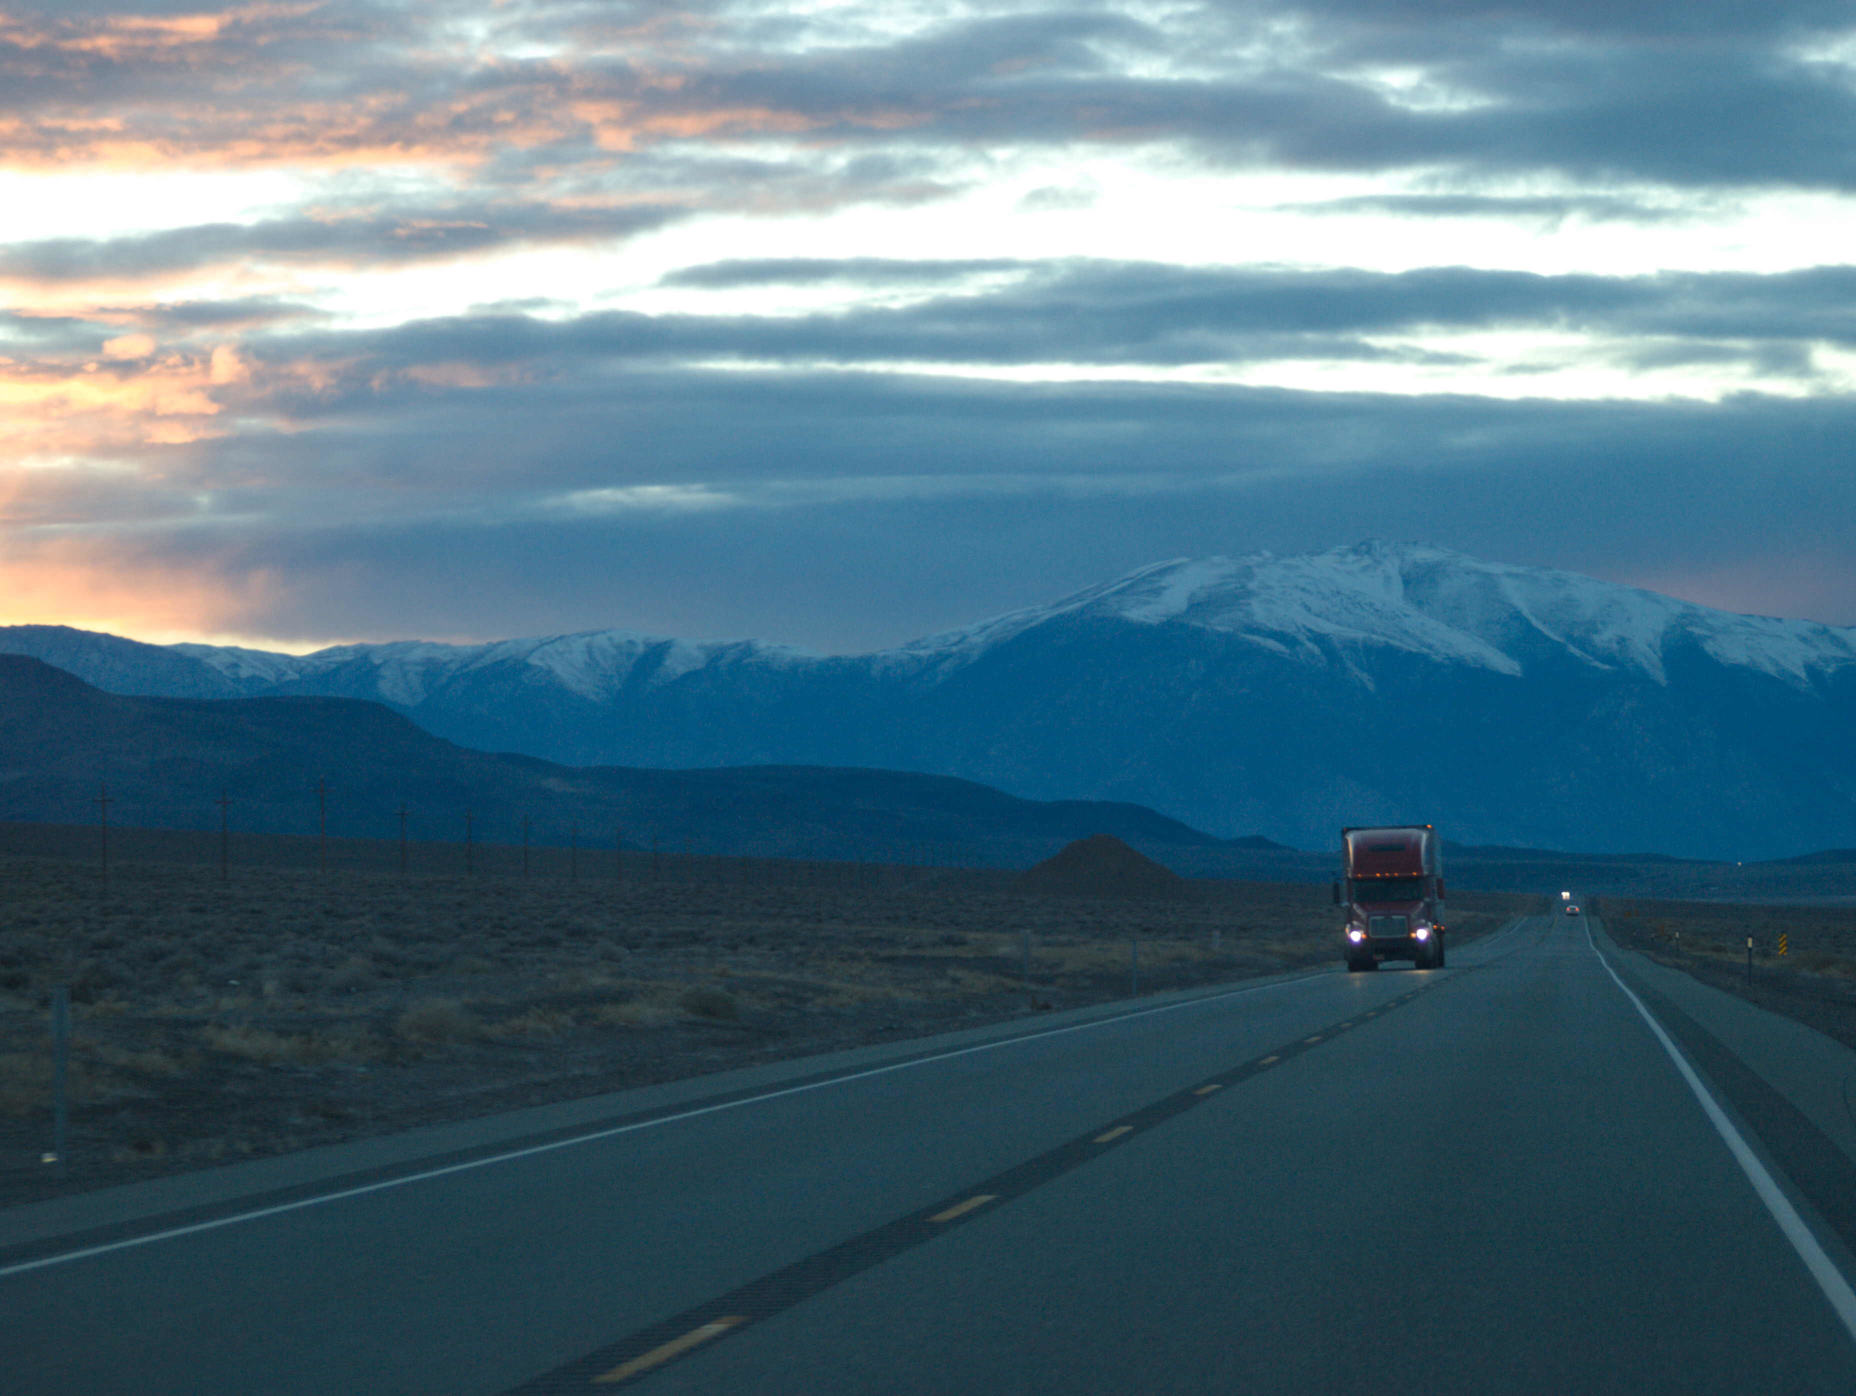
x: 1101, y: 866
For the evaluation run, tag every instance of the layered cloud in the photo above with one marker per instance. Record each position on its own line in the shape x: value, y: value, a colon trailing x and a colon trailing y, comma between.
x: 315, y: 308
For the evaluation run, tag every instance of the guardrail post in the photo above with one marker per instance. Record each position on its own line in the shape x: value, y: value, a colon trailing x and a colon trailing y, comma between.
x: 61, y: 1064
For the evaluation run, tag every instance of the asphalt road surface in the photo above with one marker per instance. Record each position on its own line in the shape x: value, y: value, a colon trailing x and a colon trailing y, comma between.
x: 1521, y: 1173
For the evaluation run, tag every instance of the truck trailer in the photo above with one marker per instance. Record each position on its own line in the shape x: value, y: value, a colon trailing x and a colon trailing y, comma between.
x: 1393, y: 888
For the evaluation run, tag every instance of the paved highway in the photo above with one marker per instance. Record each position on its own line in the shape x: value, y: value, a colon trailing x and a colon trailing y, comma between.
x: 1520, y: 1173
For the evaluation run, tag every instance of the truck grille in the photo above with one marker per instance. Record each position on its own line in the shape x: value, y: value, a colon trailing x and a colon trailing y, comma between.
x: 1389, y: 927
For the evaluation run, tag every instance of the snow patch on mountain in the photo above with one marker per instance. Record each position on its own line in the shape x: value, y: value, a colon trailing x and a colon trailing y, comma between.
x: 1615, y: 626
x: 1167, y: 592
x: 949, y: 649
x: 1346, y: 598
x: 594, y: 665
x: 243, y: 666
x: 1794, y: 650
x: 1429, y: 602
x: 406, y: 671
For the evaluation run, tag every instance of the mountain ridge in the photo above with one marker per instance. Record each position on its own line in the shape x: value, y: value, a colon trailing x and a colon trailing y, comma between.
x: 167, y: 761
x: 1279, y: 593
x: 1379, y: 682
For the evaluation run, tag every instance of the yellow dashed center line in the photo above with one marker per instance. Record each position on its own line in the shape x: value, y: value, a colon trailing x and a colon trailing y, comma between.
x: 676, y: 1347
x: 960, y: 1209
x: 772, y: 1291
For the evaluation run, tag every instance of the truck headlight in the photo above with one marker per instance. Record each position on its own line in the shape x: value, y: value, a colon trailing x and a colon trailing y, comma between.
x: 1355, y: 934
x: 1422, y: 933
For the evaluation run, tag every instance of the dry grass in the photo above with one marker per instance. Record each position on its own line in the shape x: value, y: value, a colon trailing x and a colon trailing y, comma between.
x: 535, y: 1024
x: 342, y: 1043
x: 26, y: 1082
x: 652, y: 1011
x: 436, y: 1021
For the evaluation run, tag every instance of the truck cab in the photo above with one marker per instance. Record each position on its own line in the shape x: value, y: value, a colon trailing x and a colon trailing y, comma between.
x: 1392, y: 886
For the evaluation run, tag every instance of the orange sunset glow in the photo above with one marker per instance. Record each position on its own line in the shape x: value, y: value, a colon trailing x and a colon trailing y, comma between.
x: 309, y: 308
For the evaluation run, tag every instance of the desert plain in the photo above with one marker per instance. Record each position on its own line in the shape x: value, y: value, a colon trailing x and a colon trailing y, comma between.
x: 300, y: 994
x: 264, y: 994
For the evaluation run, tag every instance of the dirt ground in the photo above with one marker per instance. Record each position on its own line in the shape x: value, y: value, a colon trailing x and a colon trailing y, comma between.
x: 1814, y: 981
x: 287, y: 1006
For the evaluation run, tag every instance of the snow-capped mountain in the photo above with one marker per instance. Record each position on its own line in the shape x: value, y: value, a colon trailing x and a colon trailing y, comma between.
x: 1435, y: 604
x: 593, y: 665
x: 1283, y: 696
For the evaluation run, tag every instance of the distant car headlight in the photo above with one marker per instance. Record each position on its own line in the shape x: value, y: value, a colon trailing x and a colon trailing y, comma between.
x: 1356, y: 935
x: 1423, y: 933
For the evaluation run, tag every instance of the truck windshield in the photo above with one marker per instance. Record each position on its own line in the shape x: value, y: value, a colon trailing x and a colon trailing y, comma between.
x: 1388, y: 889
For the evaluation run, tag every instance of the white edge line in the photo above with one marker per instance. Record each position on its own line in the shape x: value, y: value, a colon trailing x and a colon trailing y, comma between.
x: 193, y: 1228
x: 1823, y: 1269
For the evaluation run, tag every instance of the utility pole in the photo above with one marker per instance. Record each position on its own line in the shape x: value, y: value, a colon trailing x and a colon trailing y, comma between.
x: 103, y: 832
x: 525, y: 845
x: 470, y: 866
x: 573, y: 853
x: 322, y: 824
x: 402, y: 813
x: 618, y: 853
x: 224, y: 802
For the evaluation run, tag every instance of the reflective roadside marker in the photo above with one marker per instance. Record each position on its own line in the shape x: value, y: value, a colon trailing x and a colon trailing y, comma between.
x: 1784, y: 943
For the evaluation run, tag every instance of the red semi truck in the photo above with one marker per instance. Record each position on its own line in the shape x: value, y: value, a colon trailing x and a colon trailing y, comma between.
x: 1394, y: 895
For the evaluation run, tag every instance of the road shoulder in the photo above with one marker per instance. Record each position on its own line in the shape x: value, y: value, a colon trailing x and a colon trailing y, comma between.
x: 1787, y: 1087
x: 1816, y: 1073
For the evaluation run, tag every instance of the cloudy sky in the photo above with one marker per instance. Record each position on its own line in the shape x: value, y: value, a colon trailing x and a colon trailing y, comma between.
x: 838, y: 323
